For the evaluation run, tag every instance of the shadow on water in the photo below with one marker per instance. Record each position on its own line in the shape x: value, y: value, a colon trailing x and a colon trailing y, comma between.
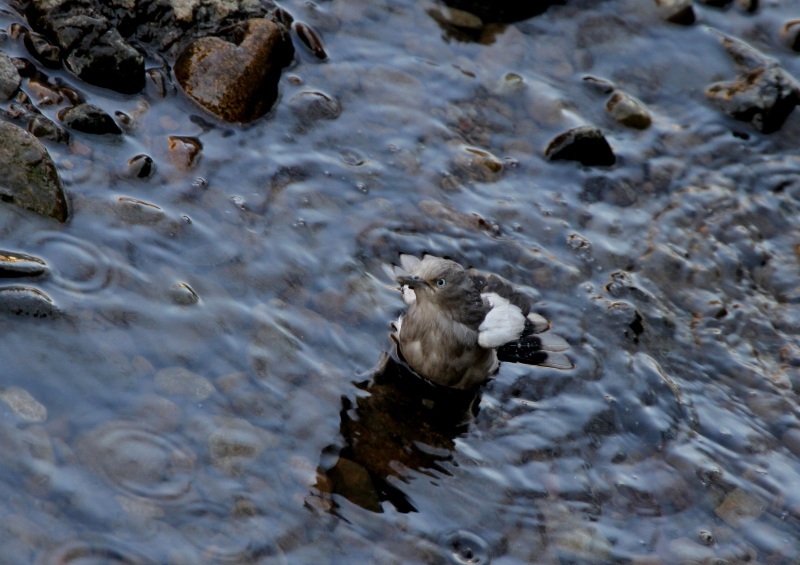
x: 396, y: 423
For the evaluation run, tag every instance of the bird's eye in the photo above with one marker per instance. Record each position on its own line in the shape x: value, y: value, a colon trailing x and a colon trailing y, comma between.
x: 441, y: 282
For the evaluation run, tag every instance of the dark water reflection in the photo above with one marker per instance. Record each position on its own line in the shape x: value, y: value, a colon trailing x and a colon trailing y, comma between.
x: 203, y: 376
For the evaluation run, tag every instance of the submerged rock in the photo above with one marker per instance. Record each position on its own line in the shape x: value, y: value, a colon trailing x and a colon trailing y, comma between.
x: 237, y: 80
x: 764, y: 94
x: 24, y: 405
x: 585, y: 144
x: 29, y: 176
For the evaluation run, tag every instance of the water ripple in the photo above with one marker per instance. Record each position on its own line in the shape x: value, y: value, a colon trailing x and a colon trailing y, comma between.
x: 138, y: 461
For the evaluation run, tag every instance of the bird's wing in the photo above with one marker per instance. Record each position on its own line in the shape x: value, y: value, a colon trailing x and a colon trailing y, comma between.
x: 537, y: 349
x: 504, y: 322
x: 496, y: 284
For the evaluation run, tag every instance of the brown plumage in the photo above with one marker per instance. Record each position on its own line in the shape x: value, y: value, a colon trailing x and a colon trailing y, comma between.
x: 461, y: 323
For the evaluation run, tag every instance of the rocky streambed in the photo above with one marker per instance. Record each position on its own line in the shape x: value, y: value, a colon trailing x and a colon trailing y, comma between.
x: 197, y: 198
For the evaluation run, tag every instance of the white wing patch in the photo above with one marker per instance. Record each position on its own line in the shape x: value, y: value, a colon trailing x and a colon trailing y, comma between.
x: 502, y: 324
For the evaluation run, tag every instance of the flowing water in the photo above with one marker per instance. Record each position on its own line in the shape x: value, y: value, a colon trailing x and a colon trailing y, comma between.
x: 199, y: 394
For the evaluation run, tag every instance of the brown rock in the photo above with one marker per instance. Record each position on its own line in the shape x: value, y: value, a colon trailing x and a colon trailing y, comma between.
x: 628, y: 111
x: 236, y: 81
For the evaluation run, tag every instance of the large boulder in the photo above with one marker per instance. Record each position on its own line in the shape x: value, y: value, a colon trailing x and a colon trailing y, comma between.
x: 236, y: 80
x: 29, y: 176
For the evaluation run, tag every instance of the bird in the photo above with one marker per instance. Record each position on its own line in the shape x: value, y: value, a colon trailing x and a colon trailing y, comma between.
x: 460, y: 323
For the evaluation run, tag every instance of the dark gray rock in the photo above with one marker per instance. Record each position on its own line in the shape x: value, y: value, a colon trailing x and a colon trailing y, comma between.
x: 764, y: 94
x: 92, y: 47
x: 585, y: 144
x: 168, y: 25
x: 26, y: 301
x: 678, y: 12
x: 88, y: 119
x: 29, y: 178
x: 45, y: 128
x: 16, y: 265
x: 9, y: 77
x: 43, y: 51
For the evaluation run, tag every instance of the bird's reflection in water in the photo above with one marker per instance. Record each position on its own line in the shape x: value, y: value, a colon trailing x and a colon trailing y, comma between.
x: 396, y: 423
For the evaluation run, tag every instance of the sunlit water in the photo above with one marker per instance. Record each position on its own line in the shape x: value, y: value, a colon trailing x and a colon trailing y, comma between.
x: 200, y: 397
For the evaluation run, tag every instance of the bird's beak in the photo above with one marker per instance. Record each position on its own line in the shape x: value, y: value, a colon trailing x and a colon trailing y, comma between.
x: 411, y: 281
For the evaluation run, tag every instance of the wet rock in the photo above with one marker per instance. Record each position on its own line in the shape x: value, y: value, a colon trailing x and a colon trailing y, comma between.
x: 26, y: 301
x: 628, y: 111
x: 13, y: 265
x: 24, y: 405
x: 311, y: 106
x: 166, y: 25
x: 29, y: 179
x: 184, y: 151
x: 585, y: 144
x: 42, y: 50
x: 764, y: 94
x: 237, y: 80
x: 138, y: 212
x: 715, y: 3
x: 676, y: 11
x: 477, y: 165
x: 9, y: 77
x: 92, y: 47
x: 141, y: 166
x: 310, y: 38
x: 791, y: 34
x: 500, y: 11
x: 181, y: 293
x: 178, y: 381
x: 763, y: 97
x: 88, y: 118
x: 45, y: 128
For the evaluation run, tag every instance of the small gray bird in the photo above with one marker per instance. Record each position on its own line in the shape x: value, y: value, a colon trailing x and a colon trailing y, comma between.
x: 461, y: 323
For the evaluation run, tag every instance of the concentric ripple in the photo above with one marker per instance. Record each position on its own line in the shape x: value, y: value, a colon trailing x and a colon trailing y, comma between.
x: 77, y: 265
x: 81, y: 552
x: 139, y: 462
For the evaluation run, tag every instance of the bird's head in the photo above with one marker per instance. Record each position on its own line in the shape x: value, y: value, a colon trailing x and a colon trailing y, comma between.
x: 438, y: 280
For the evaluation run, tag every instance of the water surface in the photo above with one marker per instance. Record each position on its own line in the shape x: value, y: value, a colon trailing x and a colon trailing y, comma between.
x: 206, y: 370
